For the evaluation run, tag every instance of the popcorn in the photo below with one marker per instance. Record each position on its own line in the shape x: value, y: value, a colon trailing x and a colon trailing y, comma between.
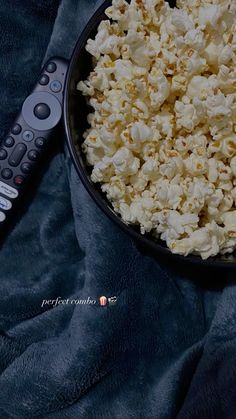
x: 141, y: 132
x: 210, y: 15
x: 196, y: 165
x: 216, y: 107
x: 226, y: 55
x: 102, y: 170
x: 200, y: 87
x: 164, y: 121
x: 116, y: 191
x: 229, y: 220
x: 206, y: 240
x: 186, y: 116
x: 212, y: 52
x: 159, y: 88
x: 228, y: 147
x: 176, y: 225
x: 118, y: 11
x: 181, y: 21
x: 214, y: 201
x: 168, y: 195
x: 196, y: 64
x: 123, y: 69
x: 213, y: 170
x: 226, y: 203
x: 179, y: 84
x: 150, y: 169
x: 172, y: 168
x: 233, y: 165
x: 125, y: 163
x: 162, y: 134
x: 194, y: 38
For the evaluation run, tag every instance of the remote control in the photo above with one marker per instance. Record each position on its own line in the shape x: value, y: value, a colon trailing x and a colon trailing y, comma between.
x: 23, y: 147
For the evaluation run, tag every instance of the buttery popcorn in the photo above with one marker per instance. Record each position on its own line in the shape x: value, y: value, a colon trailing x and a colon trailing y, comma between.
x: 162, y: 135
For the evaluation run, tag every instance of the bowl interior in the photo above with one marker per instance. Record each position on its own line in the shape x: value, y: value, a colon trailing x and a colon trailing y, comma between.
x: 75, y: 119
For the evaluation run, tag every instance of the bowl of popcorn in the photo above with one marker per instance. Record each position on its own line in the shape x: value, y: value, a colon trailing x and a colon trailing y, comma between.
x: 158, y: 152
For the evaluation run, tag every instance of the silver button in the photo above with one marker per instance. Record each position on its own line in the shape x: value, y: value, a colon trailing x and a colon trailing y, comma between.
x: 28, y: 136
x: 8, y: 190
x: 2, y: 217
x: 5, y: 204
x: 55, y: 86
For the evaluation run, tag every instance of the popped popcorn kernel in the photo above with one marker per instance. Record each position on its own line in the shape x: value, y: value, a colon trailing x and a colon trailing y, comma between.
x: 162, y: 134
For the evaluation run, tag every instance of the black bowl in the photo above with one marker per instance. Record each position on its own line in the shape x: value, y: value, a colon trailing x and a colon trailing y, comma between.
x: 75, y: 121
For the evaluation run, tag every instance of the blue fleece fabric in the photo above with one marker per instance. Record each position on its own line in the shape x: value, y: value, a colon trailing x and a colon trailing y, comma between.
x: 167, y: 348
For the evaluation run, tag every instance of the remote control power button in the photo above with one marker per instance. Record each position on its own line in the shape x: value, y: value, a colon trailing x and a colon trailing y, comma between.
x: 26, y: 168
x: 33, y: 155
x: 17, y: 155
x: 9, y: 142
x: 51, y: 67
x: 2, y: 217
x: 55, y: 86
x: 18, y: 180
x: 28, y: 136
x: 3, y: 154
x: 42, y: 111
x: 7, y: 173
x: 16, y: 129
x: 44, y: 80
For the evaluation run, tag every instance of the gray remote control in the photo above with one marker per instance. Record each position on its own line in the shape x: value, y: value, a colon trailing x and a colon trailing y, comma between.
x: 23, y: 147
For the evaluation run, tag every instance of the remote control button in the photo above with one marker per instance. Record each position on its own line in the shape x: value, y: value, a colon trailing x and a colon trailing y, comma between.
x: 18, y: 180
x: 44, y: 80
x: 55, y: 86
x: 3, y: 154
x: 5, y: 204
x: 26, y: 168
x: 51, y: 67
x: 33, y: 155
x: 42, y: 111
x: 7, y: 173
x: 16, y: 129
x: 28, y: 136
x: 9, y: 142
x: 2, y: 217
x: 42, y: 124
x: 40, y: 142
x: 8, y: 190
x: 17, y: 154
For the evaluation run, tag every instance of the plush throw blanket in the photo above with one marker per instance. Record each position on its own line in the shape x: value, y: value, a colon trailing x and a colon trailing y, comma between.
x: 165, y: 349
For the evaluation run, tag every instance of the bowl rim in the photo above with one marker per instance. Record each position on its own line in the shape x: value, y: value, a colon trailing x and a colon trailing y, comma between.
x: 155, y: 248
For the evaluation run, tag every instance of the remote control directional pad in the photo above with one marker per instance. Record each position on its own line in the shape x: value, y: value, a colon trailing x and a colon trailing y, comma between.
x: 42, y: 111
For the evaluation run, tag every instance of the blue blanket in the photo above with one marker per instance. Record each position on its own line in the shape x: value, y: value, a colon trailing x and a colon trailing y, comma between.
x: 165, y: 350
